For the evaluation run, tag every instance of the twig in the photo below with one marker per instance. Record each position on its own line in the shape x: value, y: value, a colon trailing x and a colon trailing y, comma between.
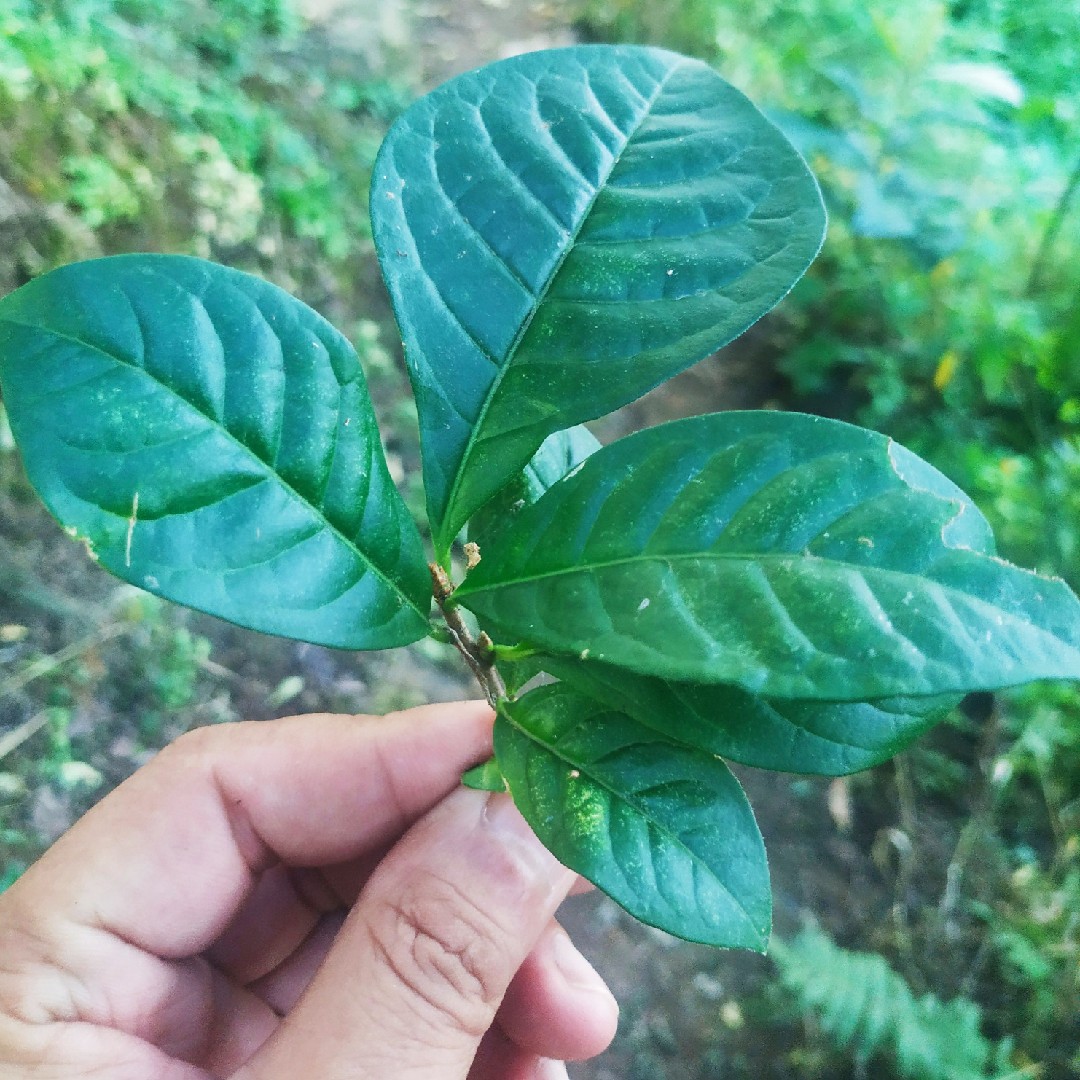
x: 479, y: 651
x: 1046, y: 244
x: 906, y: 800
x: 14, y: 739
x: 983, y: 805
x: 47, y: 664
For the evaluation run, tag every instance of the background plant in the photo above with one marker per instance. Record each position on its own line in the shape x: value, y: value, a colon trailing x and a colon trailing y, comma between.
x: 866, y: 1008
x: 209, y: 128
x: 1014, y: 870
x: 944, y: 311
x: 209, y: 438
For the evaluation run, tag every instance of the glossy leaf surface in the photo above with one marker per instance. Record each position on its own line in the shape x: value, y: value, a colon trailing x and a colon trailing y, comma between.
x: 211, y: 439
x: 664, y: 830
x: 558, y: 455
x: 793, y: 556
x: 564, y: 230
x: 824, y: 737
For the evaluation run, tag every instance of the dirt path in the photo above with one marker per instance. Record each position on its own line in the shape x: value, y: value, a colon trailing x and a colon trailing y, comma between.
x: 441, y: 38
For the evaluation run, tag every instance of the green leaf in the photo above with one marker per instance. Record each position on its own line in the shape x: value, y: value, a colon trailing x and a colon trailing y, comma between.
x: 484, y: 777
x: 211, y: 440
x: 790, y: 555
x: 558, y: 455
x: 664, y: 830
x: 562, y: 231
x: 828, y: 738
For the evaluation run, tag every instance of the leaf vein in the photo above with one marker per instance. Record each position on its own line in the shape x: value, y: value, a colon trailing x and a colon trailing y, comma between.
x: 290, y: 490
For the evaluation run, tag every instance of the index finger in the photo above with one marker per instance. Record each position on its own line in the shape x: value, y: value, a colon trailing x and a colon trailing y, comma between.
x: 165, y: 861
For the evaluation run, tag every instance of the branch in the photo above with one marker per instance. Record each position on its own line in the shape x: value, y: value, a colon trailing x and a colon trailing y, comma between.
x: 479, y: 651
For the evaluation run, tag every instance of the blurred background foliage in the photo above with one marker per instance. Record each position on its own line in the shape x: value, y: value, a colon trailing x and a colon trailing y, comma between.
x: 944, y: 311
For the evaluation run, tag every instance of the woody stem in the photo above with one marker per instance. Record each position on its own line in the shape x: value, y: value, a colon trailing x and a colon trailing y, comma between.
x: 479, y: 651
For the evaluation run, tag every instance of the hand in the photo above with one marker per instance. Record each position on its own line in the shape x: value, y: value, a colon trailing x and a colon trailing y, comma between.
x: 312, y: 897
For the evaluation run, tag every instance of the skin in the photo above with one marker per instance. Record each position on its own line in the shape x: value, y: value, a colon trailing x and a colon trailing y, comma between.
x: 315, y: 896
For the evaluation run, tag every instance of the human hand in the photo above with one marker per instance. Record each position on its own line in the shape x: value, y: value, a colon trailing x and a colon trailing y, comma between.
x: 311, y: 897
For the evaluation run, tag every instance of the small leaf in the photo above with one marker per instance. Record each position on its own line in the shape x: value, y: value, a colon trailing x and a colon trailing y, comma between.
x: 790, y: 555
x: 824, y: 737
x: 485, y: 777
x: 211, y: 440
x: 558, y: 455
x: 664, y: 830
x: 564, y: 230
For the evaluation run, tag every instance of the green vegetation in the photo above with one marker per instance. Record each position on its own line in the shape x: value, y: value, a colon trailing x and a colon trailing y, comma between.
x: 944, y: 311
x: 195, y: 127
x: 863, y: 1006
x: 210, y: 438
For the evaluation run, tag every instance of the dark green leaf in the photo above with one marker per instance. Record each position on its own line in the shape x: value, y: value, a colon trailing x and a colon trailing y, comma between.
x: 564, y: 230
x: 211, y: 440
x: 793, y: 556
x: 823, y: 737
x: 664, y: 830
x: 558, y: 455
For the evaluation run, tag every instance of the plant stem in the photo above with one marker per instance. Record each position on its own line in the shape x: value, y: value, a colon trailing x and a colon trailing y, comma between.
x: 514, y: 652
x: 14, y: 739
x: 1057, y: 217
x: 47, y: 664
x: 479, y: 651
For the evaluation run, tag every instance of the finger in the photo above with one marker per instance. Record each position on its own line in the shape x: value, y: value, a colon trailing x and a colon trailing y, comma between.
x: 165, y: 861
x: 282, y: 987
x: 556, y: 982
x: 501, y: 1059
x: 418, y: 971
x: 160, y: 867
x: 280, y: 912
x: 283, y: 908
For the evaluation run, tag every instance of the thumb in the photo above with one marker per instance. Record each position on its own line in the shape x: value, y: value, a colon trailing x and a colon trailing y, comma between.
x: 417, y: 973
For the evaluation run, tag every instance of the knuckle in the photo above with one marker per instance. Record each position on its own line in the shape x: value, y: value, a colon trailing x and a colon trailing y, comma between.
x: 445, y: 952
x: 192, y: 746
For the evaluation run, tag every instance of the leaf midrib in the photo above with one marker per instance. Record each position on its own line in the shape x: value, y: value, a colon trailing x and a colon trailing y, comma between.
x: 674, y: 686
x: 675, y: 839
x: 540, y: 296
x: 271, y: 473
x: 463, y: 593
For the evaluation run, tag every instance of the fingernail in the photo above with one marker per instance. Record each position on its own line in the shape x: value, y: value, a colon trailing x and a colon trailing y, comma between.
x: 504, y: 819
x: 574, y: 968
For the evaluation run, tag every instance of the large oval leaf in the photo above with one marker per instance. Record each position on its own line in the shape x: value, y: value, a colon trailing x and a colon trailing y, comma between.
x: 211, y: 439
x: 664, y: 830
x: 793, y: 556
x: 829, y: 738
x: 564, y: 230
